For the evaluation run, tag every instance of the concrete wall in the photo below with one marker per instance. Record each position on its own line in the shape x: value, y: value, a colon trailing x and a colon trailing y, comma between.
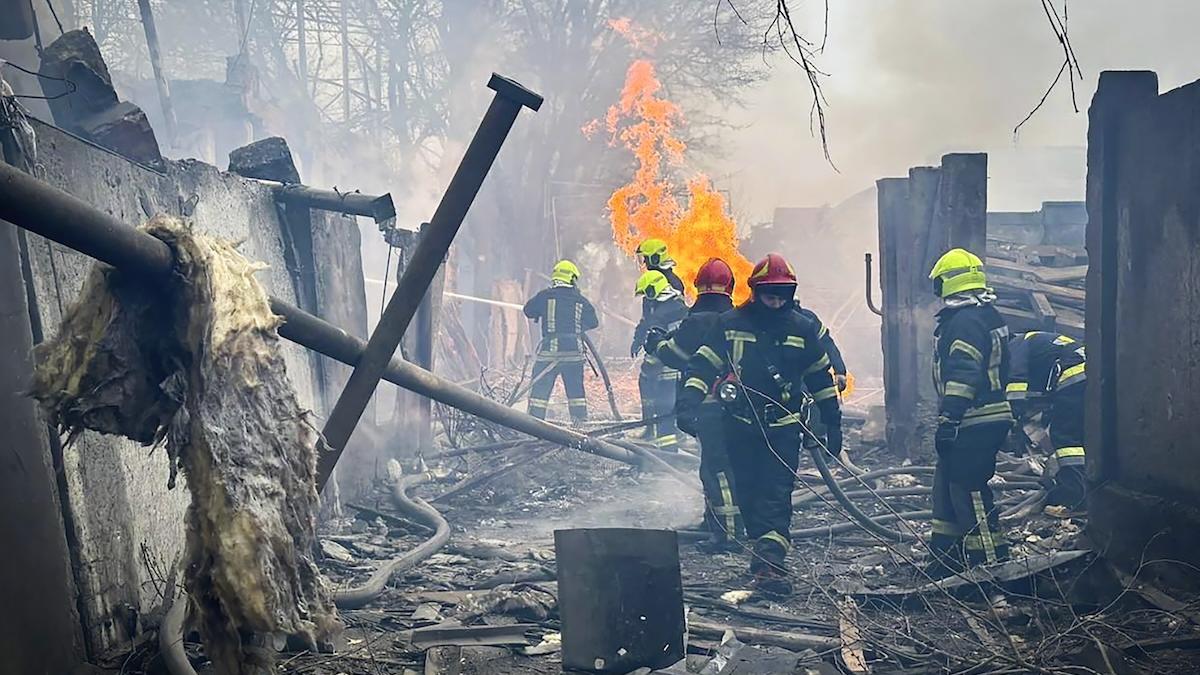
x: 1142, y: 325
x: 124, y: 525
x: 920, y: 218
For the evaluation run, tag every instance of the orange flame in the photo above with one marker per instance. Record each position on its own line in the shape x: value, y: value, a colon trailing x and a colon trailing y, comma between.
x: 646, y: 207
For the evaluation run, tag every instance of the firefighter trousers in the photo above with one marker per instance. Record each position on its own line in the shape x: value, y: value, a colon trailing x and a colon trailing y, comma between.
x: 1066, y: 433
x: 546, y: 371
x: 722, y: 517
x: 966, y: 522
x: 764, y: 460
x: 656, y: 385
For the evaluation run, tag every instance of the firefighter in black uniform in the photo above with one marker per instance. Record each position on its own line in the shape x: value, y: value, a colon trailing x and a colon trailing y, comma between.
x: 657, y: 382
x: 970, y: 366
x: 1047, y: 372
x: 722, y: 517
x: 564, y: 314
x: 764, y: 361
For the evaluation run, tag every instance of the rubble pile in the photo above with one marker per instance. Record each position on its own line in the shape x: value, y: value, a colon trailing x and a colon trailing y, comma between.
x: 195, y: 364
x: 1039, y: 287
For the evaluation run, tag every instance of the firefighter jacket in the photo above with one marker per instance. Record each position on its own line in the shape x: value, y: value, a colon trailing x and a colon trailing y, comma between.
x: 665, y: 315
x: 675, y: 351
x: 970, y: 365
x: 564, y: 315
x: 826, y: 338
x: 648, y: 306
x: 775, y: 356
x: 1043, y: 363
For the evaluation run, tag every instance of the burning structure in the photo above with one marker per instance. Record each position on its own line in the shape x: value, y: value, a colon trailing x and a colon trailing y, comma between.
x: 480, y: 539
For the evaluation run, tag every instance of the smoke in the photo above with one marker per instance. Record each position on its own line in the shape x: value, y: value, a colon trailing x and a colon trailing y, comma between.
x: 913, y: 79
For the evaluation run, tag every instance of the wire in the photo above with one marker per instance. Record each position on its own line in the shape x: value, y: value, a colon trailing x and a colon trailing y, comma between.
x: 387, y: 273
x: 55, y: 15
x: 71, y: 86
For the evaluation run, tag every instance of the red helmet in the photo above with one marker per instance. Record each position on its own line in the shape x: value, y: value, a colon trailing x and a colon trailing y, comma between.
x: 715, y: 276
x: 772, y: 269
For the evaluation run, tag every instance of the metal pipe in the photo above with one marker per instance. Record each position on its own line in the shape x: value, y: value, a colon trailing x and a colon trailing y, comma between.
x: 164, y: 93
x: 45, y: 210
x: 378, y: 207
x: 870, y: 300
x: 427, y: 258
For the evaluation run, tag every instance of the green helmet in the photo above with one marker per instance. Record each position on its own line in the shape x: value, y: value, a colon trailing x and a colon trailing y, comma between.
x: 958, y: 270
x: 652, y: 284
x: 654, y: 252
x: 565, y: 271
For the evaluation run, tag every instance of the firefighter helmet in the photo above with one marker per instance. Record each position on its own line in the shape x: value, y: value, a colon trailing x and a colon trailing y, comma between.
x: 565, y: 271
x: 957, y: 271
x: 653, y: 253
x: 715, y: 276
x: 772, y: 269
x: 652, y: 284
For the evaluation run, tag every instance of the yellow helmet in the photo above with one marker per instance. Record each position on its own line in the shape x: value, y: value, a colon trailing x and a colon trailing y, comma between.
x: 958, y: 270
x: 565, y: 271
x: 653, y: 252
x: 652, y: 284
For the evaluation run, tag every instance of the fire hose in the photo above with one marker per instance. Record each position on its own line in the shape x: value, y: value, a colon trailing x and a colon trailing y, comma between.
x: 417, y: 508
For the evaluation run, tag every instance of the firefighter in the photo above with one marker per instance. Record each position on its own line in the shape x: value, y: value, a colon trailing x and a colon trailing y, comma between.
x: 970, y: 366
x: 764, y: 362
x: 653, y: 256
x: 722, y: 517
x: 1047, y: 372
x: 564, y: 315
x: 656, y: 382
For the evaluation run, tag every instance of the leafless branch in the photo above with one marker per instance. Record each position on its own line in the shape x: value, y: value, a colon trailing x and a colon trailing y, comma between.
x: 1070, y: 64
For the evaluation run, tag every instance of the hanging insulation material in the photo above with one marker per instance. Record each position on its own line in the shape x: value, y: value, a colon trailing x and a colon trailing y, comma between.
x: 194, y: 362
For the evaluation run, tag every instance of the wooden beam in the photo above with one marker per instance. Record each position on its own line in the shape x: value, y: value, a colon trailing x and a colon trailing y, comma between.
x: 1043, y: 310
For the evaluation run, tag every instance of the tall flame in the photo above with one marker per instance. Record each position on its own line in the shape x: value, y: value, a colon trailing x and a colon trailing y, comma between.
x: 646, y: 206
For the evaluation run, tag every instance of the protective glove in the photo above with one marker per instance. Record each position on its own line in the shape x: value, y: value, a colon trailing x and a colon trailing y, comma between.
x: 686, y: 422
x: 842, y: 381
x: 945, y: 437
x: 654, y: 337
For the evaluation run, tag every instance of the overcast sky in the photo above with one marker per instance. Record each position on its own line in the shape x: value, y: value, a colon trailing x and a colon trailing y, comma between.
x: 913, y: 79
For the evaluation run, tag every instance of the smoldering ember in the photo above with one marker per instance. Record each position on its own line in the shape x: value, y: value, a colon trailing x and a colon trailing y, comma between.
x: 346, y: 337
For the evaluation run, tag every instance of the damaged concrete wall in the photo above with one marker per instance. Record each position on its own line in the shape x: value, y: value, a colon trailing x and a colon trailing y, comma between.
x: 1142, y: 326
x: 126, y: 526
x: 921, y: 217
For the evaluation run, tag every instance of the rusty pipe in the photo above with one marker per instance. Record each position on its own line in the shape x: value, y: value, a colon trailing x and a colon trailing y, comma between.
x: 431, y: 249
x: 870, y: 299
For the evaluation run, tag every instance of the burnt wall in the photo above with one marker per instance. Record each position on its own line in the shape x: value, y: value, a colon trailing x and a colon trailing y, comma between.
x: 1143, y: 332
x: 920, y: 218
x: 124, y: 526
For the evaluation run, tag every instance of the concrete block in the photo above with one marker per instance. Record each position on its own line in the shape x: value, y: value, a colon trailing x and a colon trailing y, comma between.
x: 268, y: 159
x: 124, y: 129
x: 75, y: 57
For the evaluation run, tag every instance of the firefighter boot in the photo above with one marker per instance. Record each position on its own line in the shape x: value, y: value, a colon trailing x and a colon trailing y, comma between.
x: 1068, y: 489
x: 766, y: 566
x: 946, y: 557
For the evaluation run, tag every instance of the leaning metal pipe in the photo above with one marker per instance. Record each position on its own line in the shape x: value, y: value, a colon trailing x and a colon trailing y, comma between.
x: 353, y: 598
x: 45, y: 210
x: 427, y: 258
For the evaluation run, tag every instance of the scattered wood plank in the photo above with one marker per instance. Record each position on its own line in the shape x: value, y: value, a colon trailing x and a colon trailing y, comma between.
x: 1043, y: 310
x: 1156, y: 596
x: 794, y: 641
x: 852, y: 642
x: 1064, y: 294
